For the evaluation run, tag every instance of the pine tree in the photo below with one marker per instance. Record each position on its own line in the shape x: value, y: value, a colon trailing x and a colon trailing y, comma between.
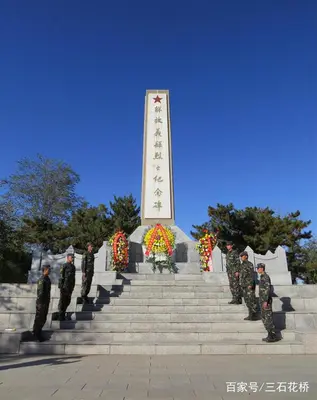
x: 125, y: 214
x: 260, y: 228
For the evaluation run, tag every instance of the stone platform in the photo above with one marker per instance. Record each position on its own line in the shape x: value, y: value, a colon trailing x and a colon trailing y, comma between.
x: 159, y: 314
x: 185, y: 255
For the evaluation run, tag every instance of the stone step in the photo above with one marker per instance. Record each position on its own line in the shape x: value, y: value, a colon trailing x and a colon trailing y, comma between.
x: 129, y: 304
x: 139, y: 282
x: 158, y: 308
x: 138, y: 326
x: 161, y: 277
x: 174, y: 288
x: 161, y: 317
x: 224, y: 348
x: 301, y: 321
x: 187, y: 294
x: 292, y: 305
x: 10, y: 290
x: 155, y: 337
x: 175, y: 295
x: 125, y: 301
x: 289, y: 291
x: 204, y: 307
x: 28, y: 303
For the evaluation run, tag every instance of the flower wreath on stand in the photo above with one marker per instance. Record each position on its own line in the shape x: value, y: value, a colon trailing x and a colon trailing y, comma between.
x: 159, y: 245
x: 120, y: 251
x: 205, y: 247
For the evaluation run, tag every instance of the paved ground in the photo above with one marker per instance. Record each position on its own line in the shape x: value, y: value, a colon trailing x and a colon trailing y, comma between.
x: 158, y: 377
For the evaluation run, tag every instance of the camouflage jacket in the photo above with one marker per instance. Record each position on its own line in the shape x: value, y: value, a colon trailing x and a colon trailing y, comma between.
x: 43, y: 290
x: 247, y: 277
x: 67, y: 278
x: 265, y: 288
x: 87, y: 264
x: 232, y: 261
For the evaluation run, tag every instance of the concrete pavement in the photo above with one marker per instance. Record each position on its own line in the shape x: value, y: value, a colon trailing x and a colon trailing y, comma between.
x: 116, y: 377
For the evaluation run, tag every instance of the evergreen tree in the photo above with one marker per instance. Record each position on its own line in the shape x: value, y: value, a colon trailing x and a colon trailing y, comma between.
x: 309, y: 259
x: 89, y: 224
x: 40, y: 233
x: 125, y: 214
x: 260, y: 228
x: 15, y: 261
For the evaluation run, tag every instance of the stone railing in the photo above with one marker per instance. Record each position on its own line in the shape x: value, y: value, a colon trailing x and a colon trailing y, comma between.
x: 276, y: 263
x: 186, y: 253
x: 102, y: 263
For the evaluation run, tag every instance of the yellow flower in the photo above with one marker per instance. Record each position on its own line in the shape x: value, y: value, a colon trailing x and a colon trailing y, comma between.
x: 157, y: 241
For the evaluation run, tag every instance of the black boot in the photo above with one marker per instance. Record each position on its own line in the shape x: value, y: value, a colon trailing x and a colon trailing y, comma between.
x: 254, y: 317
x: 237, y: 301
x: 38, y: 336
x: 271, y: 338
x: 232, y: 302
x: 251, y: 317
x: 265, y: 339
x: 41, y: 338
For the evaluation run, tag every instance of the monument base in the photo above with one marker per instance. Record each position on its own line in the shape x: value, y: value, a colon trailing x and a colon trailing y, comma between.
x: 185, y: 256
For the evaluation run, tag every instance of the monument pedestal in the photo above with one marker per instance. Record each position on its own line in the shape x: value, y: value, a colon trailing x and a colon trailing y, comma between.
x: 186, y: 256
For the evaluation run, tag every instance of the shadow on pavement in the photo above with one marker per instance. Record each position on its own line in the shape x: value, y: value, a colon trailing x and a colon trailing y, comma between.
x: 33, y: 363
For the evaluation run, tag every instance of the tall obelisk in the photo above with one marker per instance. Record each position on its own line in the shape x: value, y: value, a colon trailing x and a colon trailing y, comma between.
x: 157, y: 201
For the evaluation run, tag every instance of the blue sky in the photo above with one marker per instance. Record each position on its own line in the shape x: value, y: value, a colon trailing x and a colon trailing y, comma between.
x: 242, y: 80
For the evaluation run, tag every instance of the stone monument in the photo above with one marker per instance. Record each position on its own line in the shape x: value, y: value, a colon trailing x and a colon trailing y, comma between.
x: 157, y: 199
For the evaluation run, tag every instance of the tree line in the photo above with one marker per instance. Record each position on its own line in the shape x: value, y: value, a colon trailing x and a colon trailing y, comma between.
x: 40, y: 207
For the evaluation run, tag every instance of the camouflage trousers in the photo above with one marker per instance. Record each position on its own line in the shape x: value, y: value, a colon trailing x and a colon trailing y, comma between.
x: 250, y: 299
x: 86, y: 285
x: 235, y: 287
x: 267, y: 317
x: 40, y: 317
x: 64, y: 301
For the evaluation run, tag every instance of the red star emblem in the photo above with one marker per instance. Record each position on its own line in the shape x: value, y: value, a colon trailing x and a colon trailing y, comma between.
x: 157, y: 99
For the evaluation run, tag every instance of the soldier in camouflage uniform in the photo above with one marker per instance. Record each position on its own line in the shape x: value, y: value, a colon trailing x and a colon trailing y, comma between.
x: 247, y: 282
x: 233, y: 268
x: 265, y: 294
x: 66, y: 285
x: 42, y: 302
x: 87, y: 268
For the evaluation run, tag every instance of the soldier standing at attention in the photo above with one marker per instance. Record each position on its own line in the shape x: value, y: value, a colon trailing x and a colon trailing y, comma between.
x: 233, y: 268
x: 42, y: 302
x: 265, y: 294
x: 66, y: 285
x: 87, y: 268
x: 247, y: 282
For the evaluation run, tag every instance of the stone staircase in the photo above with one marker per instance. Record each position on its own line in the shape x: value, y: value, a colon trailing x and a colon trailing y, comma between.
x: 159, y: 314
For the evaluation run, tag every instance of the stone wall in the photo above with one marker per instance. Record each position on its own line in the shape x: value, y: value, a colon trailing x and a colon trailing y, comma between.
x: 102, y: 264
x: 276, y: 263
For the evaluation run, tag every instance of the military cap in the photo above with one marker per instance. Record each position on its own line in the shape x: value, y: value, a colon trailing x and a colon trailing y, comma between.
x: 46, y: 266
x: 70, y: 255
x: 229, y: 243
x: 260, y: 265
x: 244, y: 253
